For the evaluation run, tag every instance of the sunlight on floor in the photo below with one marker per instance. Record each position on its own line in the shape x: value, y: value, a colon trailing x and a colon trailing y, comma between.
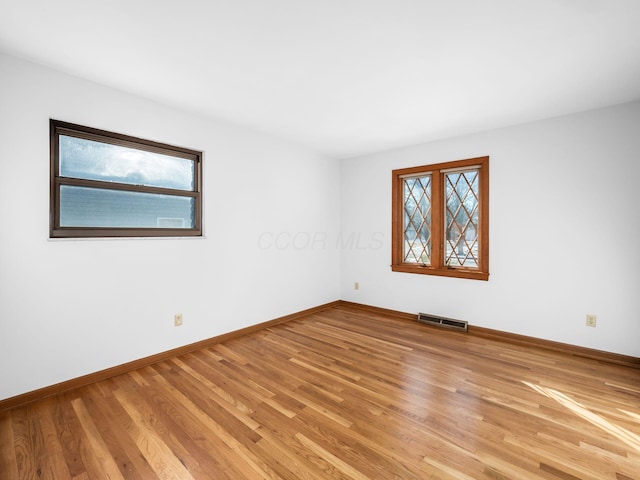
x: 626, y: 436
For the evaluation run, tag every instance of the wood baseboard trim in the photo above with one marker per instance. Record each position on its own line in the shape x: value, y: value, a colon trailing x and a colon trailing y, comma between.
x: 379, y: 310
x: 573, y: 350
x: 90, y: 378
x: 567, y: 348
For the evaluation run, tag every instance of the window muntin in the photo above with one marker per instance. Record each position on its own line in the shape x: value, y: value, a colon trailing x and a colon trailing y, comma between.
x: 441, y: 219
x: 461, y: 218
x: 417, y: 220
x: 105, y: 184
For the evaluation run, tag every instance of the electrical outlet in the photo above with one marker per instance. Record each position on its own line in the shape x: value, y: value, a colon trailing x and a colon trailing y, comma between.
x: 591, y: 320
x: 356, y: 286
x: 177, y: 319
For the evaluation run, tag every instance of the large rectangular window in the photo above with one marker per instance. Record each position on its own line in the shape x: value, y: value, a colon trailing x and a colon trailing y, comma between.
x: 105, y: 184
x: 441, y: 219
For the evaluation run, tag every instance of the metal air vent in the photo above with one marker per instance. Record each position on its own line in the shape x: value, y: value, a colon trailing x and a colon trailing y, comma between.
x: 442, y: 322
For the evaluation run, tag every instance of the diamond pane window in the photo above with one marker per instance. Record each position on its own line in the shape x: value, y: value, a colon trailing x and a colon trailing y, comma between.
x: 417, y: 220
x: 441, y: 219
x: 461, y: 212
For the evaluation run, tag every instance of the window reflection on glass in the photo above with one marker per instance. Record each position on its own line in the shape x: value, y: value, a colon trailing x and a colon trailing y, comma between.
x: 81, y: 158
x: 417, y: 220
x: 462, y: 202
x: 95, y: 207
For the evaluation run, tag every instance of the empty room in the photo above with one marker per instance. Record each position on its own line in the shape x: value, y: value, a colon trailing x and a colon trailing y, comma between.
x: 340, y: 239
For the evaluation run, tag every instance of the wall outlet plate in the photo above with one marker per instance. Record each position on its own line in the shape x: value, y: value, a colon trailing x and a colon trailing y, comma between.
x: 177, y: 319
x: 591, y: 320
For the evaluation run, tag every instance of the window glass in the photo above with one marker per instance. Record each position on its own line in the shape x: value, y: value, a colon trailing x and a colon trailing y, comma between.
x: 81, y: 158
x: 417, y: 220
x: 461, y: 234
x: 96, y: 207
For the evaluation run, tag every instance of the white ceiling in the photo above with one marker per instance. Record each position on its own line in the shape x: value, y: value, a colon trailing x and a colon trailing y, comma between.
x: 344, y: 77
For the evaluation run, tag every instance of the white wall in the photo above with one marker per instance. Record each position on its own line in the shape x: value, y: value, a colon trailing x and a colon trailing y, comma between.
x: 68, y: 308
x: 564, y: 231
x: 564, y: 235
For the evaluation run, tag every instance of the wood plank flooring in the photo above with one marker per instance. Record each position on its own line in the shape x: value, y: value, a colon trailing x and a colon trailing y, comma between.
x: 340, y: 394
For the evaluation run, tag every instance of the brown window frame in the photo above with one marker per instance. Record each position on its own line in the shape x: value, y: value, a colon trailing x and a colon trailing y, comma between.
x: 58, y: 128
x: 437, y: 266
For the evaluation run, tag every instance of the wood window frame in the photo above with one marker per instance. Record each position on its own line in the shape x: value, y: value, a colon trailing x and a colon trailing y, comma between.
x: 57, y: 128
x: 437, y: 266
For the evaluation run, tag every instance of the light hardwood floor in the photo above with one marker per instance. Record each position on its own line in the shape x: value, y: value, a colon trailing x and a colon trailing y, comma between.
x: 340, y: 394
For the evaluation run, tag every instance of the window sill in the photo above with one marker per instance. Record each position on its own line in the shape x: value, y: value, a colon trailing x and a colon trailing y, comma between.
x: 442, y: 272
x: 101, y: 239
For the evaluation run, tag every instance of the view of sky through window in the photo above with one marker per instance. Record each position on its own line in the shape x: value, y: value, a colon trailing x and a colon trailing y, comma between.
x: 81, y: 158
